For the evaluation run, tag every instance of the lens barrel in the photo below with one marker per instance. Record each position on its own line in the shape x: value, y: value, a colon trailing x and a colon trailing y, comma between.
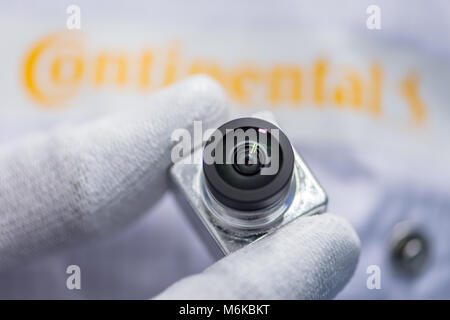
x: 252, y: 167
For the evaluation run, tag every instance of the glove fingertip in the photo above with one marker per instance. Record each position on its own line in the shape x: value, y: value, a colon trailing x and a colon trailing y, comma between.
x: 310, y: 258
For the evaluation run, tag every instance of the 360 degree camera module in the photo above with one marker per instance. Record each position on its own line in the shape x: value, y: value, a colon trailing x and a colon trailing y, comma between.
x: 249, y: 183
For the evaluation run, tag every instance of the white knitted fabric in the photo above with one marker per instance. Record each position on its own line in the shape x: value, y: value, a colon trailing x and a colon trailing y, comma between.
x: 76, y: 182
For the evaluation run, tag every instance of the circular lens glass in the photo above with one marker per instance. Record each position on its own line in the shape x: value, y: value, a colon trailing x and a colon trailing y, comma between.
x: 246, y: 151
x: 249, y: 158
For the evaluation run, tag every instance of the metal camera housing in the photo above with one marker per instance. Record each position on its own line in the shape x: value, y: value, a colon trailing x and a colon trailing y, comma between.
x: 227, y: 219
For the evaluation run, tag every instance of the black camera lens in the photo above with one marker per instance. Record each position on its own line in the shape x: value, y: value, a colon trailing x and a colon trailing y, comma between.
x: 249, y: 158
x: 253, y: 164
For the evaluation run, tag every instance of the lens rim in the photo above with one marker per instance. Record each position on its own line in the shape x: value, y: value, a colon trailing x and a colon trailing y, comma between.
x: 260, y: 197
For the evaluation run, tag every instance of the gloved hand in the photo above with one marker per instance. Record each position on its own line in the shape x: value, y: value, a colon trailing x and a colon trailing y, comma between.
x: 73, y: 183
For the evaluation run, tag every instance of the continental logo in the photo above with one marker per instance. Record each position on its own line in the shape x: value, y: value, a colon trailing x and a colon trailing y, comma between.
x: 57, y: 66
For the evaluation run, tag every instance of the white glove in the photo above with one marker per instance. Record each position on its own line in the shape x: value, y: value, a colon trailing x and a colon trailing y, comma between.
x: 73, y: 183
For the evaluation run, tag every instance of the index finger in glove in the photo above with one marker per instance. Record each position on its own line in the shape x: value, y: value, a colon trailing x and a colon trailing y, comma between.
x: 59, y: 187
